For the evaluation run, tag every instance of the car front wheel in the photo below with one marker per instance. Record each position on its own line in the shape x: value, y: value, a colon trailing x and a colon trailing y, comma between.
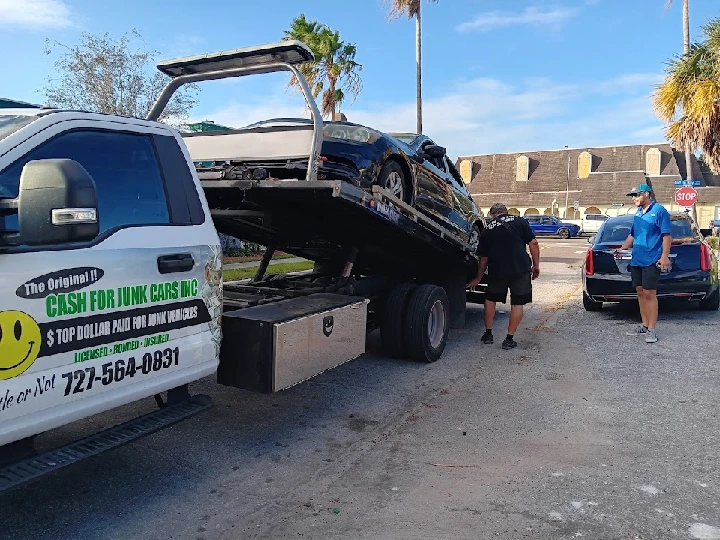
x: 392, y: 179
x: 564, y: 233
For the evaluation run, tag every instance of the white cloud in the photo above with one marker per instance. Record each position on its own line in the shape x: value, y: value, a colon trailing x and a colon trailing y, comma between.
x: 34, y: 14
x: 532, y: 16
x: 634, y: 82
x: 482, y: 116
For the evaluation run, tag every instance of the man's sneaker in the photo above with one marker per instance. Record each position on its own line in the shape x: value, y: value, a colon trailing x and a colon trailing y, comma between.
x: 509, y: 344
x: 651, y: 336
x: 640, y: 330
x: 487, y: 338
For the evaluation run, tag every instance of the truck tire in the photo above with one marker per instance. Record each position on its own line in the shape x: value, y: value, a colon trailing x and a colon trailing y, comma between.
x: 427, y: 323
x: 392, y: 332
x: 564, y: 233
x: 711, y: 302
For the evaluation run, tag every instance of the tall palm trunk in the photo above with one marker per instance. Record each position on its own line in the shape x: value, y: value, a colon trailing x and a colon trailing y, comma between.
x: 418, y: 68
x: 686, y: 26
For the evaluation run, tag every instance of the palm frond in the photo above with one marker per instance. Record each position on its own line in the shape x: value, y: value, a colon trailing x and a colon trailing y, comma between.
x: 334, y: 63
x: 409, y: 8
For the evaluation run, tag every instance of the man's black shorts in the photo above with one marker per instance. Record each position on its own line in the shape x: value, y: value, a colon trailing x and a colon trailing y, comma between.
x: 520, y: 289
x: 646, y: 277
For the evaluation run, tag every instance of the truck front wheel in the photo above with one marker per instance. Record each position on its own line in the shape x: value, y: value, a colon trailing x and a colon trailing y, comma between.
x: 427, y: 323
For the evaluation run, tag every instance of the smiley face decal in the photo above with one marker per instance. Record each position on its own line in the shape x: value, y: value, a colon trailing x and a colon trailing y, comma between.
x: 19, y: 343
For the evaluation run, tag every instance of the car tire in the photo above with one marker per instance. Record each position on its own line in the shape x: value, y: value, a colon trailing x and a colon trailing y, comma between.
x: 427, y: 323
x: 392, y: 332
x: 392, y: 178
x: 564, y: 233
x: 711, y: 302
x: 591, y: 305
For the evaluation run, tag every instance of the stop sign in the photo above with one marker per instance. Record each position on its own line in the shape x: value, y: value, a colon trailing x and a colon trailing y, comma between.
x: 686, y: 196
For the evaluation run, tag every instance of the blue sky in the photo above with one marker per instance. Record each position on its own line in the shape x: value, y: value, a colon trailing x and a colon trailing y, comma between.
x: 498, y: 75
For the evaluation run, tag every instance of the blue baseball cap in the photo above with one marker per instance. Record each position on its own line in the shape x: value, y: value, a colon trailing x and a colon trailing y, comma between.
x: 640, y: 188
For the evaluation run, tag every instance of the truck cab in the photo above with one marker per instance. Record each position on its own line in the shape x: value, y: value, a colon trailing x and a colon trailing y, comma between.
x: 130, y: 304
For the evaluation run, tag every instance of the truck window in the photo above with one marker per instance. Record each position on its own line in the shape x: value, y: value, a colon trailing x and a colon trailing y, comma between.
x: 129, y: 185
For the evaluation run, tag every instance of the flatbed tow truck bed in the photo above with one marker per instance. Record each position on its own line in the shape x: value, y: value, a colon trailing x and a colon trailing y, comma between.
x: 319, y: 219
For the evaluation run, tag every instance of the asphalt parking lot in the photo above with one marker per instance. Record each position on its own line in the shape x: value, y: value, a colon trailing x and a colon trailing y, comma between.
x: 580, y: 432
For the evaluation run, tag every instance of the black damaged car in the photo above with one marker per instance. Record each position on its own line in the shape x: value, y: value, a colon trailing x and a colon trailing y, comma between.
x: 693, y: 274
x: 412, y: 167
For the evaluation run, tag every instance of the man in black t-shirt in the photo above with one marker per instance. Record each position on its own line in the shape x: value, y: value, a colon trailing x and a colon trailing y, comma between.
x: 502, y: 251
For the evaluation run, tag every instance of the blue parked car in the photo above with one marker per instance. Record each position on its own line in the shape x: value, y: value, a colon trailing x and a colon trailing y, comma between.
x: 542, y: 225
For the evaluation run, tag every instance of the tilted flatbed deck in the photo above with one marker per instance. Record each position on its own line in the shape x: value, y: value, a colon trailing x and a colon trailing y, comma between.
x: 323, y: 220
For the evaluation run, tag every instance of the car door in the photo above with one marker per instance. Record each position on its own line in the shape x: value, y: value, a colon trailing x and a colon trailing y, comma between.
x: 534, y: 222
x: 548, y: 225
x: 434, y: 195
x: 118, y: 318
x: 464, y: 212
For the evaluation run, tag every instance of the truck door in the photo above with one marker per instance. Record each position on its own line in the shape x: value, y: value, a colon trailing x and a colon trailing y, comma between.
x: 87, y: 327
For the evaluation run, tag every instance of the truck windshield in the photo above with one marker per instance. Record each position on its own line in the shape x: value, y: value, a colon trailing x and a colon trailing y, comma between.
x: 9, y: 124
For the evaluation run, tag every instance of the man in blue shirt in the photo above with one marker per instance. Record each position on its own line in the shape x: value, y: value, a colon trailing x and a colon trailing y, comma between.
x: 650, y: 239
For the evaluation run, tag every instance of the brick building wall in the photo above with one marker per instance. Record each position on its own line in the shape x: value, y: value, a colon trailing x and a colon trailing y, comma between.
x: 598, y: 178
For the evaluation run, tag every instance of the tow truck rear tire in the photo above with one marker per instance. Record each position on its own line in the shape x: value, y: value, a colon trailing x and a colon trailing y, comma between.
x: 427, y: 323
x: 392, y: 332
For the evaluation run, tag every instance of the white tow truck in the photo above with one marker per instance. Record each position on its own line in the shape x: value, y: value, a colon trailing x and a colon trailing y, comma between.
x: 133, y: 304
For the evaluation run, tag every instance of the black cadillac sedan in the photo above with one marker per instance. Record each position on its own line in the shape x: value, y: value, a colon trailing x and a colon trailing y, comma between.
x: 693, y: 273
x: 411, y: 166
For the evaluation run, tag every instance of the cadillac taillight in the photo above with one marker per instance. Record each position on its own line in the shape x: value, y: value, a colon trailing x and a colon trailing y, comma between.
x: 589, y: 263
x: 705, y: 260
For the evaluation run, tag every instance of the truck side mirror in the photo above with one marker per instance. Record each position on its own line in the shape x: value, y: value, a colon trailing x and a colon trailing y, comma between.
x: 57, y: 203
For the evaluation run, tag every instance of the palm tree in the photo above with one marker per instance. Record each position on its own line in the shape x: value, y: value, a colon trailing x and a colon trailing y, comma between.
x: 411, y: 8
x: 334, y: 71
x: 692, y: 86
x: 686, y: 51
